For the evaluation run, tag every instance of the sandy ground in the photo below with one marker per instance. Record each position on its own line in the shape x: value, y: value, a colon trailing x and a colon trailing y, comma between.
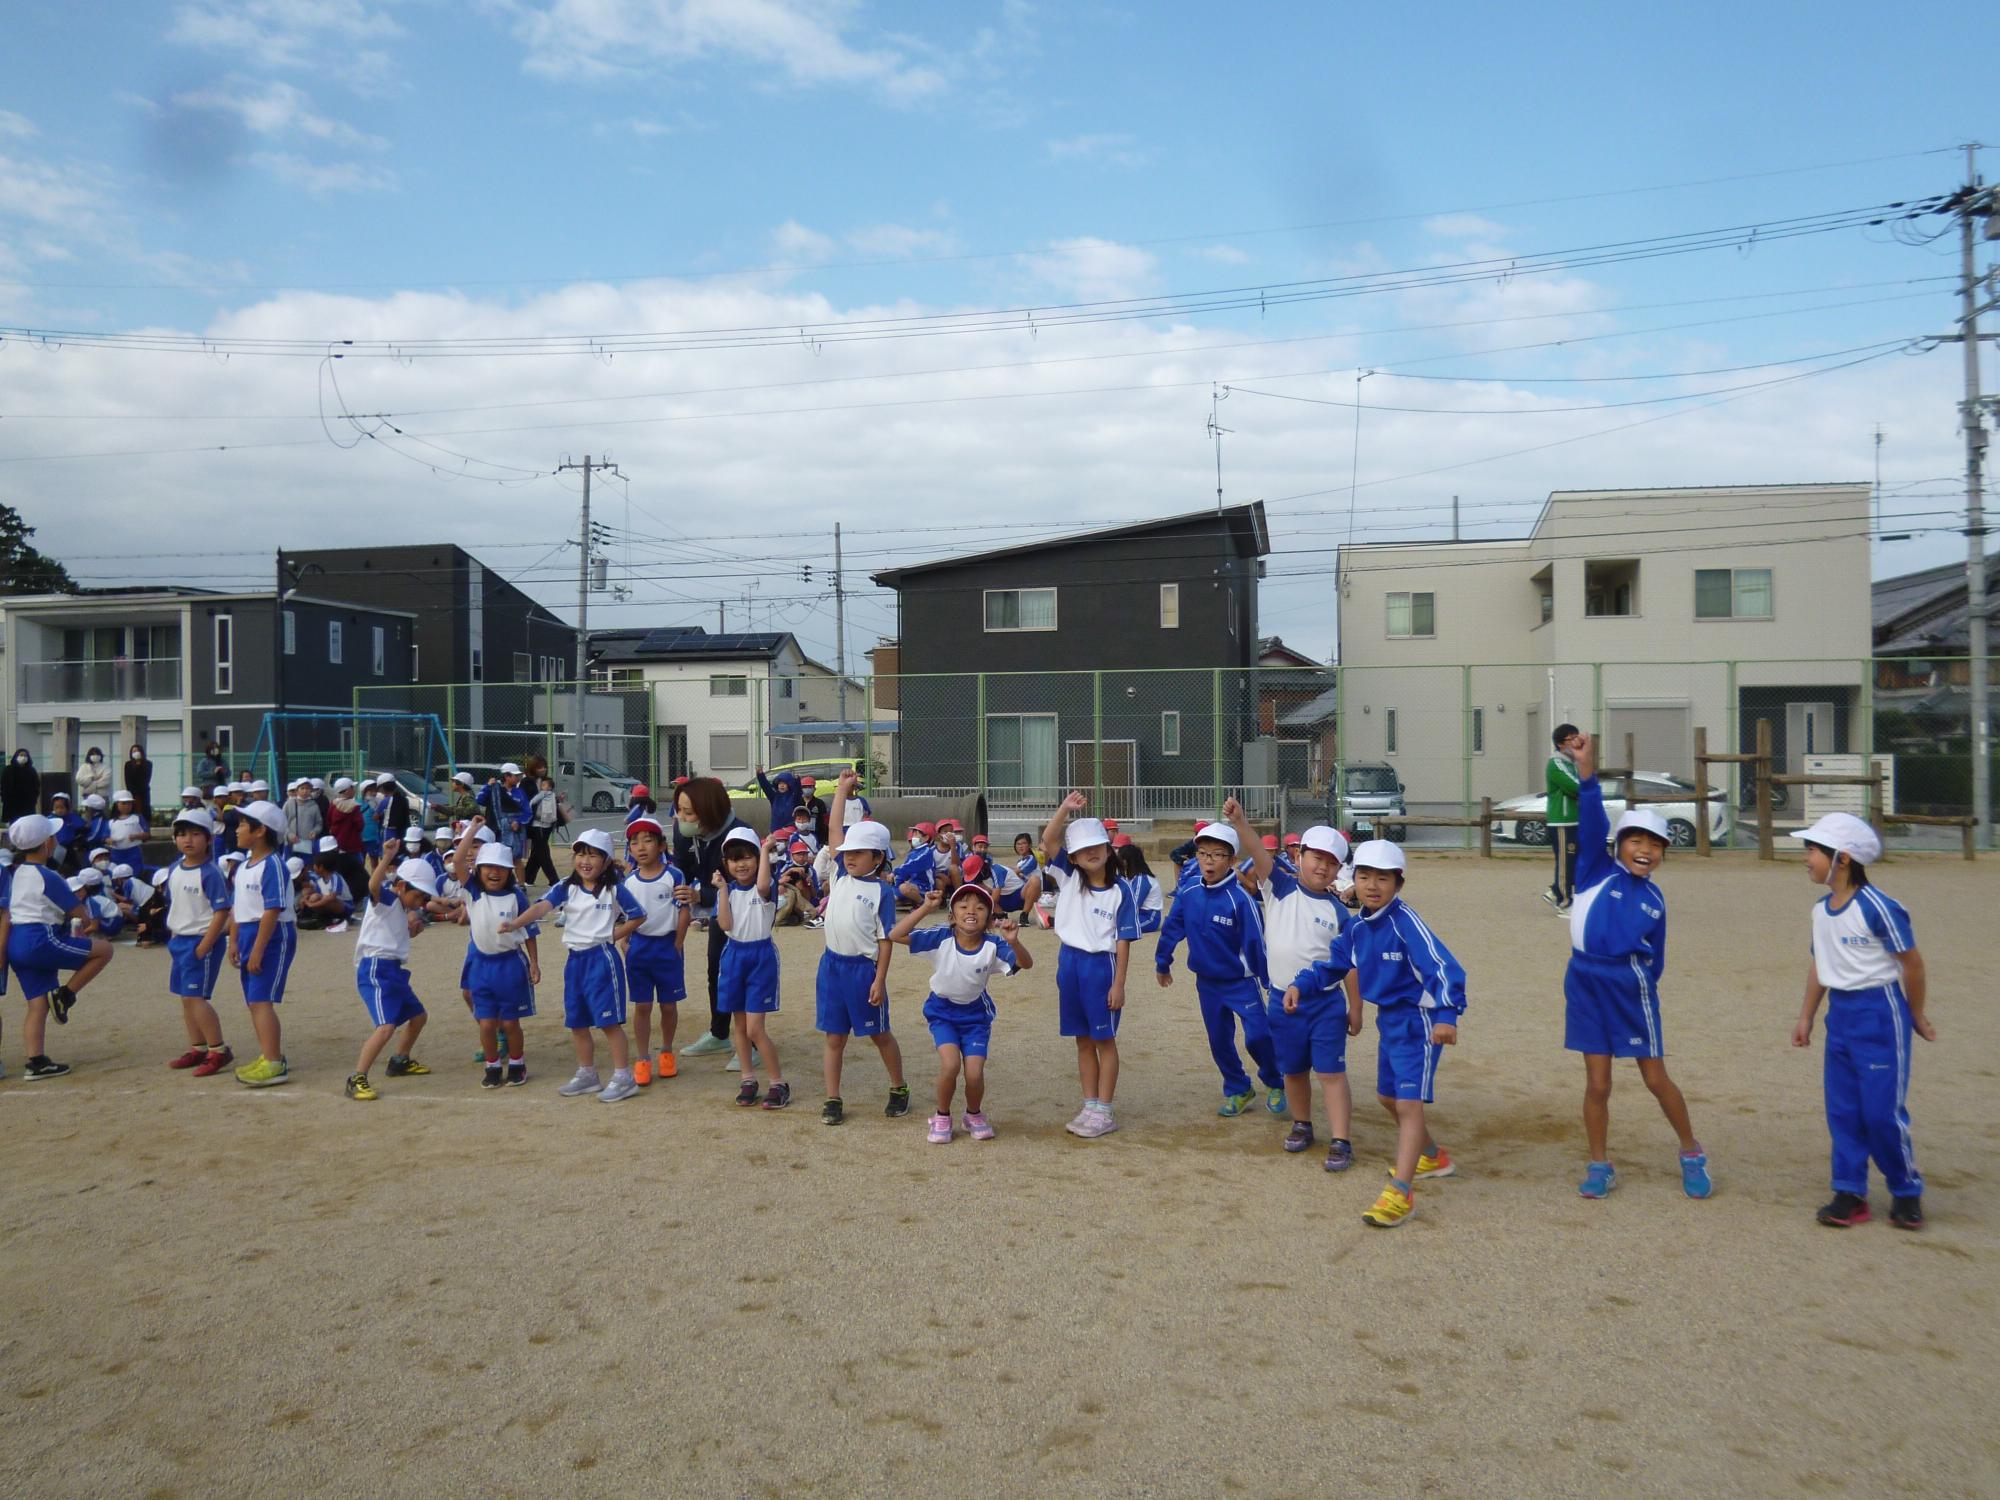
x: 210, y: 1289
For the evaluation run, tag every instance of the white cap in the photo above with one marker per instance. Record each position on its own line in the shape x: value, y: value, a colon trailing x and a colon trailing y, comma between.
x: 196, y: 817
x: 121, y: 872
x: 318, y: 783
x: 31, y: 832
x: 1222, y: 833
x: 1642, y: 820
x: 387, y: 778
x: 1844, y: 833
x: 234, y: 856
x: 463, y: 778
x: 442, y: 836
x: 85, y: 878
x: 259, y: 785
x: 342, y: 784
x: 740, y: 835
x: 64, y: 795
x: 510, y: 769
x: 595, y: 838
x: 191, y: 791
x: 329, y: 845
x: 1085, y: 832
x: 293, y: 785
x: 124, y: 796
x: 268, y: 813
x: 866, y: 835
x: 1326, y: 840
x: 94, y: 802
x: 415, y: 872
x: 1380, y: 854
x: 97, y: 854
x: 495, y: 856
x: 294, y: 867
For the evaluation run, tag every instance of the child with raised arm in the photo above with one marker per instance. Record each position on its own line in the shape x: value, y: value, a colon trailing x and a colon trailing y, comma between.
x: 502, y: 966
x: 36, y: 907
x: 597, y: 913
x: 397, y: 891
x: 746, y: 985
x: 1098, y: 922
x: 654, y: 955
x: 197, y: 936
x: 263, y: 937
x: 1866, y: 966
x: 1418, y: 991
x: 851, y: 993
x: 1611, y: 990
x: 964, y: 955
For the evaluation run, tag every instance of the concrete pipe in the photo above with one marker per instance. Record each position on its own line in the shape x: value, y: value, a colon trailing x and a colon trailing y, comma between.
x: 900, y: 812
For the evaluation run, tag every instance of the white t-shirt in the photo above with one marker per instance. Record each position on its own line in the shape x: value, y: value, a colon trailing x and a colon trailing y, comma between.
x: 956, y: 975
x: 1093, y: 921
x: 127, y: 833
x: 1299, y: 927
x: 859, y: 914
x: 194, y: 894
x: 656, y: 899
x: 590, y: 921
x: 38, y: 897
x: 750, y: 915
x: 260, y: 887
x: 484, y: 912
x: 1855, y: 948
x: 385, y: 929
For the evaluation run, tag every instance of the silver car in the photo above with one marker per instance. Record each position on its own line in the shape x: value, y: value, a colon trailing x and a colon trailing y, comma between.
x: 1524, y: 820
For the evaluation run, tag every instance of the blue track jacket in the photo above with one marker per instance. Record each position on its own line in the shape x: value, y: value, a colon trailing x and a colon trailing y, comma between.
x: 1223, y: 928
x: 1399, y: 962
x: 1615, y: 914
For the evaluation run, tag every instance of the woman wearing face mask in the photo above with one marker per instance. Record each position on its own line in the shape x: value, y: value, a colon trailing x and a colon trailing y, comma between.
x: 702, y: 817
x: 20, y: 787
x: 139, y: 781
x: 93, y: 777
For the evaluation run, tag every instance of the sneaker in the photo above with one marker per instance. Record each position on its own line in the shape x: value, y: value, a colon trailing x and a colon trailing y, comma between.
x: 194, y: 1057
x: 1096, y: 1122
x: 708, y: 1045
x: 517, y: 1074
x: 43, y: 1067
x: 218, y: 1059
x: 977, y: 1127
x: 1553, y: 897
x: 1339, y: 1156
x: 1234, y: 1104
x: 1390, y: 1209
x: 899, y: 1102
x: 1042, y: 917
x: 479, y: 1056
x: 409, y: 1067
x: 832, y: 1112
x: 1075, y: 1127
x: 61, y: 998
x: 780, y: 1096
x: 1694, y: 1174
x: 584, y: 1081
x: 1846, y: 1209
x: 667, y: 1067
x: 1906, y: 1213
x: 756, y: 1061
x: 815, y: 923
x: 622, y: 1086
x: 338, y: 927
x: 1274, y: 1101
x: 1301, y: 1136
x: 263, y: 1073
x: 358, y: 1087
x: 642, y: 1072
x: 1440, y: 1165
x: 1598, y: 1180
x: 746, y: 1093
x: 940, y: 1131
x: 494, y: 1077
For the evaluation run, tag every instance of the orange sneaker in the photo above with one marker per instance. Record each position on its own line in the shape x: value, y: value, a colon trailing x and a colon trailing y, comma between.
x: 667, y: 1066
x: 642, y: 1072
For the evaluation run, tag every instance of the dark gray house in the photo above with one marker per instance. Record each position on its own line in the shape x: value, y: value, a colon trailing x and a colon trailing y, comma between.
x: 1119, y: 659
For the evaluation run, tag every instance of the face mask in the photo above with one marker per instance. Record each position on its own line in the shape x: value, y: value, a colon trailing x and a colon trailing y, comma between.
x: 93, y: 757
x: 138, y: 755
x: 20, y: 760
x: 687, y: 829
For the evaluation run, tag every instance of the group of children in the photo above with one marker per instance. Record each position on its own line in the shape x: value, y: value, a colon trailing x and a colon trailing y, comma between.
x: 1270, y: 940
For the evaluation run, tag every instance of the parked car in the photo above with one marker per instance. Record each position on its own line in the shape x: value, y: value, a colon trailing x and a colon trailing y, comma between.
x: 419, y: 794
x: 1370, y: 797
x: 603, y: 788
x: 1523, y: 820
x: 823, y: 772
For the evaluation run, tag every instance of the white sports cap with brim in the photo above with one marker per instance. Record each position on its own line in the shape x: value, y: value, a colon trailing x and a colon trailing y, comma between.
x: 318, y: 783
x: 234, y: 857
x: 741, y: 836
x: 259, y: 785
x: 343, y: 784
x: 1642, y: 820
x: 1326, y: 840
x: 442, y: 836
x: 125, y: 797
x: 93, y: 801
x: 594, y: 838
x: 415, y: 872
x: 195, y: 817
x: 387, y: 778
x: 1221, y: 833
x: 268, y: 813
x: 191, y: 791
x: 121, y: 872
x: 96, y: 854
x: 294, y: 867
x: 494, y: 857
x: 1380, y: 854
x: 84, y: 879
x: 1844, y: 833
x: 510, y: 769
x: 1084, y: 833
x: 463, y: 778
x: 866, y: 835
x: 329, y: 845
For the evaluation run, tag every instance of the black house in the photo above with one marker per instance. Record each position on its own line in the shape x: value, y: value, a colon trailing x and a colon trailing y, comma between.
x: 1119, y: 660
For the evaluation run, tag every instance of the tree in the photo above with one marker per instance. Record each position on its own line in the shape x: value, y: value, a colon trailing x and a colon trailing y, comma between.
x: 24, y: 569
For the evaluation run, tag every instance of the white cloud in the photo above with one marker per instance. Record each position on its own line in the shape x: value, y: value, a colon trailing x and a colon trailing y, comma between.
x: 1222, y: 255
x: 797, y: 245
x: 803, y: 45
x: 1088, y: 269
x: 276, y: 109
x: 289, y: 33
x: 20, y: 127
x: 1116, y: 150
x: 319, y: 177
x: 900, y: 242
x: 1463, y: 227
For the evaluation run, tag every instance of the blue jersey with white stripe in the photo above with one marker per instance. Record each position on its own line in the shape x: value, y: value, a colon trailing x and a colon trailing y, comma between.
x: 38, y: 897
x: 1223, y: 929
x: 1615, y: 913
x: 1398, y: 960
x: 919, y: 868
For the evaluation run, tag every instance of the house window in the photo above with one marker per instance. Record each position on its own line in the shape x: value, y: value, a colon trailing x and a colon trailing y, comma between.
x: 1412, y: 615
x: 729, y: 687
x: 380, y: 650
x: 1020, y: 609
x: 333, y: 641
x: 784, y: 687
x: 1611, y: 588
x: 1170, y: 732
x: 478, y: 665
x: 1021, y: 751
x: 1170, y: 606
x: 225, y: 652
x: 1547, y: 598
x: 1732, y: 593
x: 225, y: 743
x: 1389, y: 731
x: 291, y: 633
x: 729, y: 752
x: 1478, y: 731
x: 524, y: 667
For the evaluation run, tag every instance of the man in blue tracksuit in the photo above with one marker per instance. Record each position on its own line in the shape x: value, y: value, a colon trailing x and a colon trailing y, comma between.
x: 1225, y: 937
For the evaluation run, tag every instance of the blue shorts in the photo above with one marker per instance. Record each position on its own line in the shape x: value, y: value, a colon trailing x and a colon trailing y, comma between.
x: 1013, y: 901
x: 1312, y: 1037
x: 268, y: 988
x: 966, y: 1027
x: 747, y: 979
x: 384, y: 986
x: 841, y: 996
x: 656, y: 969
x: 594, y: 988
x: 39, y: 954
x: 465, y: 970
x: 1083, y: 981
x: 1609, y: 1008
x: 1406, y: 1059
x: 194, y: 977
x: 498, y: 983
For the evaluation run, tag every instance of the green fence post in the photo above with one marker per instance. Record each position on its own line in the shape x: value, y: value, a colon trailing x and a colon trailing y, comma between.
x: 1215, y: 719
x: 979, y: 730
x: 1097, y: 741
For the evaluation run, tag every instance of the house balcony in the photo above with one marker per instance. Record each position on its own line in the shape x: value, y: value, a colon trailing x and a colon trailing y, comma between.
x: 121, y: 680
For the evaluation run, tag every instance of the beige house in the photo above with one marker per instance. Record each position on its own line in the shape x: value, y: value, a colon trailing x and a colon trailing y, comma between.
x: 1649, y: 612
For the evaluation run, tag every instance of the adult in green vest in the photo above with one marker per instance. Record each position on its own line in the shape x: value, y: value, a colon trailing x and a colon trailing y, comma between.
x: 1560, y: 782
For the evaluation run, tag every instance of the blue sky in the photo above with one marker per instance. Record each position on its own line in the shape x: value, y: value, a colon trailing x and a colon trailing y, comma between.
x: 317, y: 169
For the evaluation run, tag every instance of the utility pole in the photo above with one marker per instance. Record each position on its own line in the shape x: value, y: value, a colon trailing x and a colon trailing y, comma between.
x: 582, y: 624
x: 1974, y: 203
x: 1216, y: 430
x: 840, y: 636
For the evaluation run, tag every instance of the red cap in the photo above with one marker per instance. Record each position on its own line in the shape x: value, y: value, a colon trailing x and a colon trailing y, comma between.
x: 980, y: 838
x: 976, y: 890
x: 798, y: 846
x: 1199, y: 824
x: 926, y: 829
x: 1271, y: 842
x: 641, y: 790
x: 1291, y: 841
x: 807, y: 781
x: 944, y: 823
x: 1112, y: 824
x: 973, y: 866
x: 682, y: 780
x: 1122, y: 841
x: 644, y: 825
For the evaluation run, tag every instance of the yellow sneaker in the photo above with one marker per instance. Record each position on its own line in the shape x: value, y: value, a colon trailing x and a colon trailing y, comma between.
x: 358, y: 1087
x: 1435, y: 1166
x: 1390, y: 1209
x: 405, y: 1067
x: 263, y: 1073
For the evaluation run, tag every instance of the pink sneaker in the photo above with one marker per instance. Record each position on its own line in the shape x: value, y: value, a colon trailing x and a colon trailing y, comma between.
x: 1096, y: 1122
x: 977, y: 1128
x: 940, y: 1130
x: 1075, y: 1127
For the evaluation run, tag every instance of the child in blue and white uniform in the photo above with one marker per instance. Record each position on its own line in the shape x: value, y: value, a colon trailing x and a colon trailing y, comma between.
x: 501, y: 967
x: 198, y: 900
x: 964, y: 955
x: 126, y: 832
x: 1224, y: 930
x: 263, y: 936
x: 1135, y: 872
x: 746, y: 984
x: 1097, y: 921
x: 101, y: 913
x: 918, y: 872
x: 851, y: 990
x: 69, y: 831
x: 327, y: 902
x: 1865, y: 964
x: 96, y: 827
x: 598, y: 913
x: 655, y: 963
x: 36, y: 906
x: 1418, y: 990
x: 1611, y: 990
x: 381, y: 965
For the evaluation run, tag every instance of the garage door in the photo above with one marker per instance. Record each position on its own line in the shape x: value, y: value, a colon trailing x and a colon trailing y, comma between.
x: 1661, y: 736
